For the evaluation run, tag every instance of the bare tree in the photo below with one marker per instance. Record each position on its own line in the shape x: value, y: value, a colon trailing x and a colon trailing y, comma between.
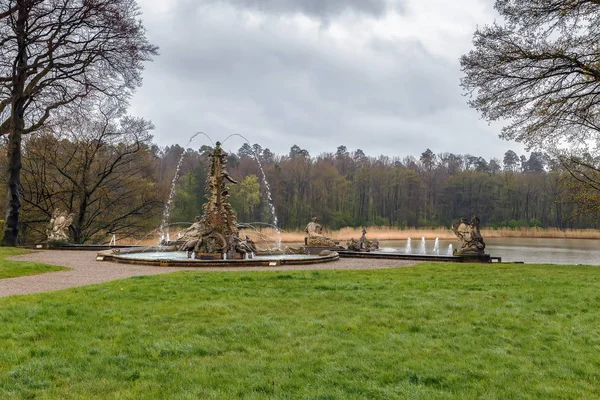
x: 55, y: 53
x: 540, y: 70
x: 100, y: 168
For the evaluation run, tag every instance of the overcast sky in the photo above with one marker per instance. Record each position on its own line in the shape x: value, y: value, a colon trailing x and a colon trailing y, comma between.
x: 377, y: 75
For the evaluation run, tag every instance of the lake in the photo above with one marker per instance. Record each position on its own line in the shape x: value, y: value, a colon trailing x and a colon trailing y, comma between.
x: 535, y: 251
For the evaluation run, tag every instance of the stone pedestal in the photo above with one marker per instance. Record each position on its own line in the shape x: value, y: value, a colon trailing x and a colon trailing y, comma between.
x: 474, y: 258
x: 316, y: 250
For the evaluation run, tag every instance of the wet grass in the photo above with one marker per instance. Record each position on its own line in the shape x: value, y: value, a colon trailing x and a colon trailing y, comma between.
x: 11, y: 269
x: 434, y: 331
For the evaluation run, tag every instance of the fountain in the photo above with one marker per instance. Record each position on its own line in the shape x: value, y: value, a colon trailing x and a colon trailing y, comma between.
x: 363, y: 244
x: 423, y: 249
x: 264, y: 179
x: 471, y: 249
x: 213, y: 238
x: 436, y: 247
x: 167, y: 211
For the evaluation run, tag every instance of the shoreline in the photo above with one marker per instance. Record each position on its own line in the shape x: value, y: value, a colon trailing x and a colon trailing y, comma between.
x: 269, y: 235
x: 345, y: 234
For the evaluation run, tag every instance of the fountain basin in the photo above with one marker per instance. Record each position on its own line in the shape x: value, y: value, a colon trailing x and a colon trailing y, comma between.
x: 161, y: 257
x: 483, y: 258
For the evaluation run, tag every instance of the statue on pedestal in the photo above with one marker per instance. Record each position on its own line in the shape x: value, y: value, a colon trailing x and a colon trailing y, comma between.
x: 363, y: 244
x: 315, y: 235
x: 58, y: 228
x: 469, y: 235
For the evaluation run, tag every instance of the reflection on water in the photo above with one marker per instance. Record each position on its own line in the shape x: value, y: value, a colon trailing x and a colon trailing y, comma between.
x: 535, y: 251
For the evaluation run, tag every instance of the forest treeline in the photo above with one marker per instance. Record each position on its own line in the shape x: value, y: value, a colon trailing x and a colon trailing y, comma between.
x: 115, y: 180
x: 348, y: 188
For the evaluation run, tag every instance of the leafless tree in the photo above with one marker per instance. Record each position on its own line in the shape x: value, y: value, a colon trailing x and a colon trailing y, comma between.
x: 55, y: 53
x: 98, y: 167
x: 540, y: 71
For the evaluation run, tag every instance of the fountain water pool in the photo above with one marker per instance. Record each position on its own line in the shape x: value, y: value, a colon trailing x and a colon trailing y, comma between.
x: 162, y: 257
x: 428, y: 248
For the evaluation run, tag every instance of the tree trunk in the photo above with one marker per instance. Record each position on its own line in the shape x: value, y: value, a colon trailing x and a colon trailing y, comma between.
x: 17, y: 127
x: 13, y: 205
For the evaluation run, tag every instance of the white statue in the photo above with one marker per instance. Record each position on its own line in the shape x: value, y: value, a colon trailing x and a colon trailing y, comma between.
x: 58, y: 228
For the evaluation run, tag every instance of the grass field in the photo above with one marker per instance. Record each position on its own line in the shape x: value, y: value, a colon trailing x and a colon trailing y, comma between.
x: 11, y: 269
x: 434, y: 331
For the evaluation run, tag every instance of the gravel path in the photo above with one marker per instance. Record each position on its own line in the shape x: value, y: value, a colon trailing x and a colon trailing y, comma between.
x: 85, y: 270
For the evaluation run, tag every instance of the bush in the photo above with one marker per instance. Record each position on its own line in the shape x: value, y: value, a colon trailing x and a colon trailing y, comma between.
x: 535, y: 223
x: 516, y: 224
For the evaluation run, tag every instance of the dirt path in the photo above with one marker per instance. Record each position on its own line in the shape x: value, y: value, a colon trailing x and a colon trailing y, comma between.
x: 85, y: 270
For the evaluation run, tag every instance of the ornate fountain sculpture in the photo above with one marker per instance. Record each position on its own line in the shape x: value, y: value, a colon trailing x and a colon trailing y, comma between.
x: 193, y: 232
x: 363, y: 244
x: 470, y: 236
x: 215, y: 234
x: 315, y: 236
x: 58, y: 228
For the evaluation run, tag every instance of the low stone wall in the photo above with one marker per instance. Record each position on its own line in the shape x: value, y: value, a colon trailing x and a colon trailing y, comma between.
x: 255, y: 262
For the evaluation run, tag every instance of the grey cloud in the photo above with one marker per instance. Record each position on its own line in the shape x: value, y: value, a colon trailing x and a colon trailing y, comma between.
x: 322, y: 9
x: 267, y: 83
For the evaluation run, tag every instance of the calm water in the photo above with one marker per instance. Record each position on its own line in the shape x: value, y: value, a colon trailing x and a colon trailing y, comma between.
x: 182, y: 255
x: 537, y: 251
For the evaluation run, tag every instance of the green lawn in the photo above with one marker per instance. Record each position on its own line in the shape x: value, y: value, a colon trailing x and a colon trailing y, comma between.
x: 11, y: 269
x: 435, y: 331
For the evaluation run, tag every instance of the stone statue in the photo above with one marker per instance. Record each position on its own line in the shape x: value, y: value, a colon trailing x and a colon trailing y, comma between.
x: 193, y: 231
x: 363, y: 244
x: 58, y: 228
x: 250, y: 243
x: 373, y: 245
x: 469, y: 235
x: 216, y: 232
x: 353, y: 245
x: 363, y: 237
x: 315, y: 235
x: 242, y: 247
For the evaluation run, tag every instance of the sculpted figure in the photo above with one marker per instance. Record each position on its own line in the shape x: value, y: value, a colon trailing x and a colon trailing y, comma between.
x: 189, y: 247
x: 373, y: 245
x: 314, y: 228
x: 363, y: 239
x: 58, y: 228
x: 243, y: 247
x: 363, y: 244
x: 315, y: 235
x: 215, y: 232
x: 469, y: 235
x: 251, y: 245
x: 353, y: 245
x: 194, y: 231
